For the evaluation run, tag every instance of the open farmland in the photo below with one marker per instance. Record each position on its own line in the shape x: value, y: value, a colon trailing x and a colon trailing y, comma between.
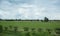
x: 30, y: 24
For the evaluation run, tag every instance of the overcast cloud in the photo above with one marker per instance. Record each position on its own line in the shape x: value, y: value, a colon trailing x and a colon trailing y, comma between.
x: 29, y: 9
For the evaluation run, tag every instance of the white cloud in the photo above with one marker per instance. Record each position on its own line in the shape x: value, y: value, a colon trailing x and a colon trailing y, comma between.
x: 35, y: 10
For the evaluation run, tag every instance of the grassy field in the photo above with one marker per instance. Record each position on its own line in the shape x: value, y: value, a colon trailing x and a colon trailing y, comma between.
x: 31, y: 24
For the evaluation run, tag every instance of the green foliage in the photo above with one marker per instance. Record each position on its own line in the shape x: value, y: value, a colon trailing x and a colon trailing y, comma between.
x: 26, y: 29
x: 39, y: 29
x: 33, y: 34
x: 33, y: 29
x: 57, y: 30
x: 5, y: 28
x: 1, y: 28
x: 29, y: 25
x: 46, y: 19
x: 15, y: 29
x: 10, y: 26
x: 27, y: 34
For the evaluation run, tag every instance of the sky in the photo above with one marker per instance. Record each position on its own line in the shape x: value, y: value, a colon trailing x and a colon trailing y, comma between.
x: 30, y: 9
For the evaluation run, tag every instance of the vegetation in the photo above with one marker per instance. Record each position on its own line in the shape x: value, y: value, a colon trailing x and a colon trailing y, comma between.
x: 5, y: 28
x: 38, y: 26
x: 46, y: 19
x: 1, y: 28
x: 15, y: 29
x: 26, y: 29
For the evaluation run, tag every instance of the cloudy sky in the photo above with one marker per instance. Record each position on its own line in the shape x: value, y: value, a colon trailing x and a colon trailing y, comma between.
x: 29, y: 9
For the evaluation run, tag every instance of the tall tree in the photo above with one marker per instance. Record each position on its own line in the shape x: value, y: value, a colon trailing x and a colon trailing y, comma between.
x: 46, y: 19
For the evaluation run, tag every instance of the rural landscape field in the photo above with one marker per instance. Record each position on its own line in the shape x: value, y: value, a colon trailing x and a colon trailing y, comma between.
x: 32, y: 28
x: 29, y: 17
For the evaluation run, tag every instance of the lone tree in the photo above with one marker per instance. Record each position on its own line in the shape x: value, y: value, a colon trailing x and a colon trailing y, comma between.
x: 1, y: 28
x: 46, y: 19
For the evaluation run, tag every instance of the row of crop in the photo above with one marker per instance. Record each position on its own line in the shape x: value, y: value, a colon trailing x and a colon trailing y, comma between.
x: 26, y: 30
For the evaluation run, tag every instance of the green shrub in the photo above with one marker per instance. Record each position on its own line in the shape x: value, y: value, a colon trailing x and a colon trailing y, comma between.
x: 39, y: 29
x: 1, y: 28
x: 5, y: 28
x: 33, y: 29
x: 33, y: 34
x: 49, y: 31
x: 57, y: 30
x: 26, y: 29
x: 15, y: 29
x: 10, y: 27
x: 27, y: 34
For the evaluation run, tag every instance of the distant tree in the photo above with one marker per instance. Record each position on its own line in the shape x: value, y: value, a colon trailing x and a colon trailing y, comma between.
x: 0, y: 19
x: 5, y: 28
x: 41, y: 20
x: 1, y: 28
x: 46, y: 19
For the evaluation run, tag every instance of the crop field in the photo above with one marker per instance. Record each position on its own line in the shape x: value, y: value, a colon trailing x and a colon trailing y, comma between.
x: 30, y: 24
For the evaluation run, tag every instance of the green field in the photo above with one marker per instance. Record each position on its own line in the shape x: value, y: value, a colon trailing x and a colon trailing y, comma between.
x: 31, y: 24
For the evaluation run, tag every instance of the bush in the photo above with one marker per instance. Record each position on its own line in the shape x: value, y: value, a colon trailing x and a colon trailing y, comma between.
x: 5, y: 28
x: 49, y: 31
x: 27, y: 34
x: 33, y: 34
x: 10, y: 27
x: 39, y: 29
x: 15, y: 29
x: 26, y: 29
x: 57, y: 30
x: 33, y: 29
x: 1, y: 28
x: 41, y: 20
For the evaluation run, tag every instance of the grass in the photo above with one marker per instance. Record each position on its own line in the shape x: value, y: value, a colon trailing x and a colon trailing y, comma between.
x: 30, y: 24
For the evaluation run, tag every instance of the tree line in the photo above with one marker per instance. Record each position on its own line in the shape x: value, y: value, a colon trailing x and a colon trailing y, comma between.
x: 45, y: 19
